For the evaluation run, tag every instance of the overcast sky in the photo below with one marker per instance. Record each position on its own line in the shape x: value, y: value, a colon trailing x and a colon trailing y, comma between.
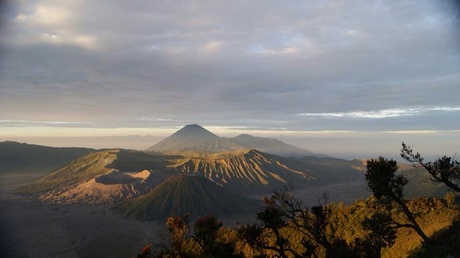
x: 307, y: 70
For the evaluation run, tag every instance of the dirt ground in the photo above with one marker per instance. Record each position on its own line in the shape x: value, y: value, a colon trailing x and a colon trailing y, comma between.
x: 35, y: 229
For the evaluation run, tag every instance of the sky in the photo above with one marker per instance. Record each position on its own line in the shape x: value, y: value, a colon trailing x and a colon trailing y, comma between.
x: 345, y: 78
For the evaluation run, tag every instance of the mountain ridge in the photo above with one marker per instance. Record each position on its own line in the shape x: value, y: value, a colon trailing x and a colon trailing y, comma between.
x: 95, y: 178
x: 247, y: 171
x: 273, y: 146
x: 24, y: 158
x: 196, y: 138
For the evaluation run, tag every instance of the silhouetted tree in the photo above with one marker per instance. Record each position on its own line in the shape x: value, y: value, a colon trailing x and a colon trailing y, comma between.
x: 179, y: 232
x: 283, y: 213
x: 205, y: 242
x: 206, y: 231
x: 382, y: 233
x: 383, y: 182
x: 445, y: 169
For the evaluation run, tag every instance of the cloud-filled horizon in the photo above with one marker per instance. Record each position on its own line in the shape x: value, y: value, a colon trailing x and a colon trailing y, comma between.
x: 122, y: 68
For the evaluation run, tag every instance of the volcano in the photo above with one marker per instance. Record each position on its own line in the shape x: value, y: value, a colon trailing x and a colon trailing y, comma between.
x: 186, y: 194
x: 194, y: 138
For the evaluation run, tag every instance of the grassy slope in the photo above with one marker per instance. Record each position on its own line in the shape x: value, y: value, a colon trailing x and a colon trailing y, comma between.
x: 96, y: 164
x: 79, y: 170
x: 433, y: 215
x: 181, y: 194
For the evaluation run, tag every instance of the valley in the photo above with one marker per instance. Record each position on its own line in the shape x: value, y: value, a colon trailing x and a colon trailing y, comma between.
x: 111, y: 202
x: 42, y: 229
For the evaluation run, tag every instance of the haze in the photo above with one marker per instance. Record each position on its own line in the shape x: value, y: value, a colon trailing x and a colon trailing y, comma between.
x: 350, y: 79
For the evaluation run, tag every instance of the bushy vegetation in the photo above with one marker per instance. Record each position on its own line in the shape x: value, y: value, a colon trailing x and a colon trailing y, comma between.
x: 384, y: 225
x: 361, y: 229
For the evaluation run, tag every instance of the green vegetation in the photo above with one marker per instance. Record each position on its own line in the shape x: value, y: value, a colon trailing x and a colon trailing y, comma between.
x: 186, y: 194
x: 383, y: 183
x: 360, y: 229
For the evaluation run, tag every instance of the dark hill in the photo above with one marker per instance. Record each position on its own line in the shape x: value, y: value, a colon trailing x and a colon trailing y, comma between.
x: 182, y: 194
x: 194, y: 137
x: 22, y: 158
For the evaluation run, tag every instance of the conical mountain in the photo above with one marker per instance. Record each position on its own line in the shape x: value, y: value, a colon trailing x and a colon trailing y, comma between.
x: 194, y: 138
x: 273, y: 146
x: 187, y: 194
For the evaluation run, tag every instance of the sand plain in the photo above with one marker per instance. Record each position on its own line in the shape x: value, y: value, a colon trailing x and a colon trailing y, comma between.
x: 30, y: 228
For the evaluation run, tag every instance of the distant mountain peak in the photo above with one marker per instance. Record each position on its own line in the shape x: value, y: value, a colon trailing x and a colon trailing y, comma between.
x: 193, y: 126
x: 194, y: 137
x: 194, y: 130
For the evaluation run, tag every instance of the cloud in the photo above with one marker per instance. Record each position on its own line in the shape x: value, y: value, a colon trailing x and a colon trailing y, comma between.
x: 255, y: 64
x: 211, y: 46
x: 13, y: 123
x: 386, y: 113
x: 149, y: 119
x: 52, y: 22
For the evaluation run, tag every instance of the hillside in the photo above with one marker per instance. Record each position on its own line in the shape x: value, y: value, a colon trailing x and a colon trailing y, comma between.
x: 111, y: 176
x: 420, y: 184
x: 101, y: 177
x: 248, y: 171
x: 186, y: 194
x: 272, y: 146
x: 22, y: 158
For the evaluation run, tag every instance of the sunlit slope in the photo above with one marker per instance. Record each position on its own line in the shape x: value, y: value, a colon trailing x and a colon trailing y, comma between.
x: 102, y: 177
x: 248, y: 171
x: 186, y: 194
x: 77, y: 171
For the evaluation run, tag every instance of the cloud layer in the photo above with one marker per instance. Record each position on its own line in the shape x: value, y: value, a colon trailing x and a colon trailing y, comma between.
x: 302, y: 65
